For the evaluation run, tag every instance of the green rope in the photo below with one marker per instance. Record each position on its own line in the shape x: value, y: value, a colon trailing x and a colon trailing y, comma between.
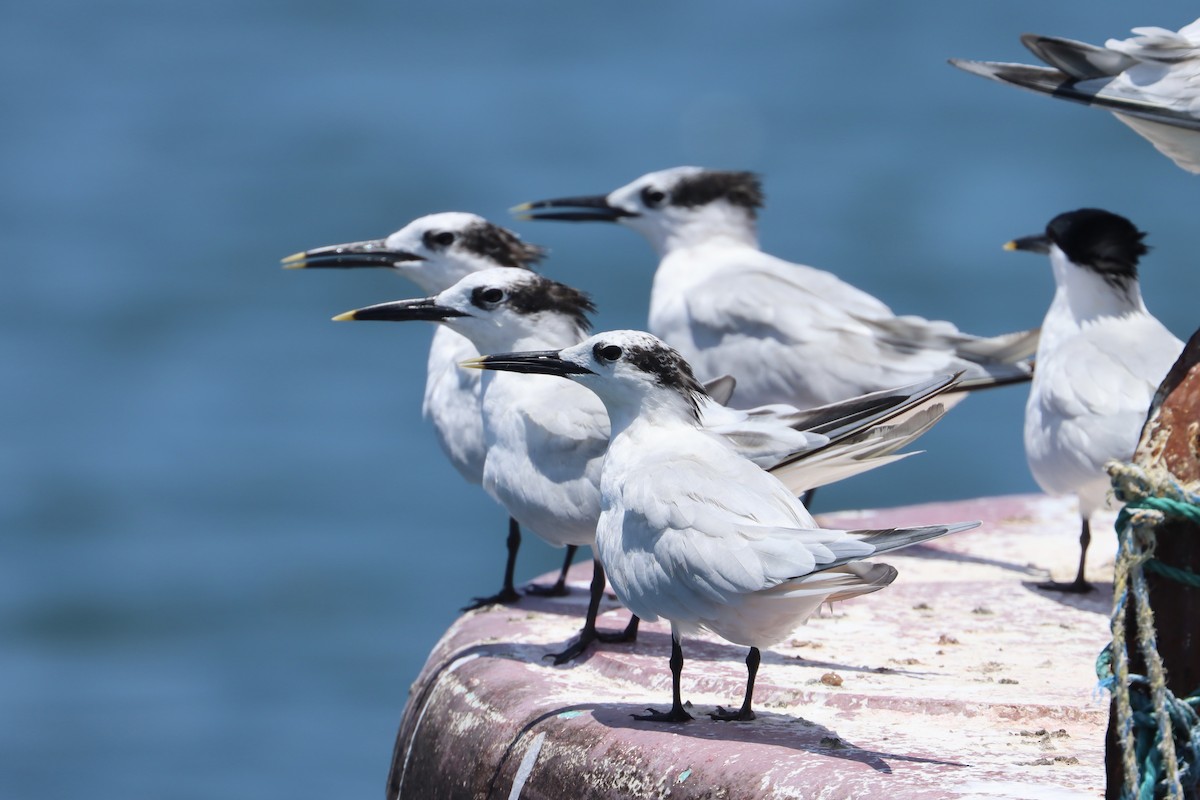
x: 1158, y: 732
x: 1184, y: 576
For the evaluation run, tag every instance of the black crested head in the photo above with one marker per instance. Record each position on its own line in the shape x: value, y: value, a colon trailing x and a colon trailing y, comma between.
x: 542, y: 294
x: 499, y: 245
x: 669, y: 369
x: 1101, y: 241
x: 742, y: 189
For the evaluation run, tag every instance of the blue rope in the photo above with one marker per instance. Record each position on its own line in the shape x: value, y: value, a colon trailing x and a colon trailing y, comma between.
x: 1152, y: 712
x: 1185, y: 729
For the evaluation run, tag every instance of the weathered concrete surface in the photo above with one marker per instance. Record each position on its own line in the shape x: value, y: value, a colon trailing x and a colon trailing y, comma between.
x: 960, y: 680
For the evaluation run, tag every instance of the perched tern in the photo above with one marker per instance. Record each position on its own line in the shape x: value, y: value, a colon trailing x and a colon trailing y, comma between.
x: 692, y: 532
x: 787, y: 333
x: 434, y: 252
x: 1150, y: 81
x: 545, y: 438
x: 1101, y: 358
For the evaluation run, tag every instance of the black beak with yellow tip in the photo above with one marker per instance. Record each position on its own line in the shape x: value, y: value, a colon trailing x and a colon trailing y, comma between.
x: 1030, y: 244
x: 535, y: 362
x: 598, y: 209
x: 371, y: 253
x: 425, y: 308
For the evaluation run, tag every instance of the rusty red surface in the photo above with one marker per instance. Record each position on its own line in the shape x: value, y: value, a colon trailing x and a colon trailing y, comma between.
x: 960, y: 680
x: 1171, y: 437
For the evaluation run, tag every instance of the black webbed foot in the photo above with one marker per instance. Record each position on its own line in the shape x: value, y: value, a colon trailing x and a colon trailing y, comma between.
x: 504, y: 597
x: 559, y: 589
x: 741, y: 715
x: 574, y: 650
x: 676, y: 714
x: 627, y: 635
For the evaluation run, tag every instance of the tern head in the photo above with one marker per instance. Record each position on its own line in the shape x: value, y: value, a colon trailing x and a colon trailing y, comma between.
x: 633, y: 372
x: 433, y: 251
x: 672, y: 208
x: 503, y: 308
x: 1089, y: 239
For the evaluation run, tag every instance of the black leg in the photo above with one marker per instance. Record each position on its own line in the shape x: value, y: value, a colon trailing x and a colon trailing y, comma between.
x: 589, y: 633
x: 560, y: 586
x: 627, y: 635
x: 507, y: 594
x: 677, y: 713
x: 1080, y: 584
x: 745, y: 713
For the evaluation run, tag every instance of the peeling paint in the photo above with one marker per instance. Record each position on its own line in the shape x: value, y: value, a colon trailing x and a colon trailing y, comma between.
x: 526, y: 767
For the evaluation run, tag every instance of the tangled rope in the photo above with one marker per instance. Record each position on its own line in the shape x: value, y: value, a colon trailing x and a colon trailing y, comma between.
x: 1159, y: 734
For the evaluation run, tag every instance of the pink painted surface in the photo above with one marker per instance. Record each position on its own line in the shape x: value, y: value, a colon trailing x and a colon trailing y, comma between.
x: 961, y: 680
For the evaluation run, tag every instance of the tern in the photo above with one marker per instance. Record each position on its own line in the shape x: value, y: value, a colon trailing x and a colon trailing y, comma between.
x: 788, y: 333
x: 691, y: 531
x: 1102, y: 356
x: 1150, y: 81
x: 434, y: 252
x: 545, y: 439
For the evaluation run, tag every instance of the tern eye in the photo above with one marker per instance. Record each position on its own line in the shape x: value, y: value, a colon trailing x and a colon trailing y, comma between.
x: 438, y: 239
x: 486, y: 297
x: 653, y: 198
x: 607, y: 352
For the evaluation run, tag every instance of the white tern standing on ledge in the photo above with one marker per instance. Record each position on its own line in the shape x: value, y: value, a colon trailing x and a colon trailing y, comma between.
x: 1101, y: 358
x: 786, y: 332
x: 546, y: 438
x: 1150, y: 81
x: 434, y: 252
x: 691, y: 531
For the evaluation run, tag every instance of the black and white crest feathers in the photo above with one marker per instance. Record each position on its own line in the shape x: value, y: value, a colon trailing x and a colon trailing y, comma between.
x: 670, y: 370
x: 499, y: 245
x: 743, y: 189
x: 1104, y: 242
x: 542, y: 294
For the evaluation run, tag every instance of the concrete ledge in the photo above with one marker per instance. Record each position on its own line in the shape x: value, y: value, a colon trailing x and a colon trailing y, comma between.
x: 960, y: 680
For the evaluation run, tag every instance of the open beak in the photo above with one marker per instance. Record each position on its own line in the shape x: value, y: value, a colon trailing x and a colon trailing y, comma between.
x: 539, y: 362
x: 1030, y: 244
x: 371, y: 253
x: 425, y: 308
x: 597, y: 209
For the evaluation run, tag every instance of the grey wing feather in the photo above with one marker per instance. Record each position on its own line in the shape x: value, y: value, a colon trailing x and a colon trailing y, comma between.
x: 1079, y: 60
x: 1050, y: 81
x: 890, y: 539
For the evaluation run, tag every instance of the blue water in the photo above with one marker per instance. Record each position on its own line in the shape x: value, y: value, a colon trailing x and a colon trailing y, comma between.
x: 228, y: 539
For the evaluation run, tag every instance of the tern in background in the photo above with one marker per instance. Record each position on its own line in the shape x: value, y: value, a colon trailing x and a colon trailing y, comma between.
x: 787, y: 333
x: 434, y: 252
x: 1150, y: 81
x: 691, y: 531
x: 1100, y: 360
x: 546, y: 438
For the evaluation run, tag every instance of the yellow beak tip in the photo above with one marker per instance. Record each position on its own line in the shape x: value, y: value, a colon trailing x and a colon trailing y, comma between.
x: 345, y: 316
x: 294, y: 261
x: 472, y: 363
x: 1010, y: 245
x: 517, y: 209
